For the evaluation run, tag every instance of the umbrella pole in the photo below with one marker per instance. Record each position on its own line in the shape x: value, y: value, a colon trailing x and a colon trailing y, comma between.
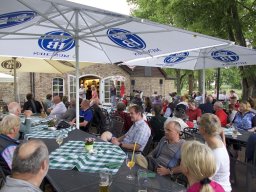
x: 15, y: 79
x: 203, y: 95
x: 77, y: 70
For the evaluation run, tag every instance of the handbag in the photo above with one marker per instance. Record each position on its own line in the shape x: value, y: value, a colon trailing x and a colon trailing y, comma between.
x: 63, y: 125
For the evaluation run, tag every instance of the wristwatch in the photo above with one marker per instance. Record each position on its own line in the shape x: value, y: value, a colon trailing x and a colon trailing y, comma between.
x: 171, y: 172
x: 120, y: 144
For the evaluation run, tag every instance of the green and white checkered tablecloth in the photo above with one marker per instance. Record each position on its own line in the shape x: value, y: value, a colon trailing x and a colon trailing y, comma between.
x: 106, y: 157
x: 39, y: 132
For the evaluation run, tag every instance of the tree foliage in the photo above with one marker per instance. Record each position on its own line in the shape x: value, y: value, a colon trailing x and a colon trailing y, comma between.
x: 228, y: 19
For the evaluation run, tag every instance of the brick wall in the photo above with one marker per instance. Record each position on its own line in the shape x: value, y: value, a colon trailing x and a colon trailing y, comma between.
x: 43, y: 82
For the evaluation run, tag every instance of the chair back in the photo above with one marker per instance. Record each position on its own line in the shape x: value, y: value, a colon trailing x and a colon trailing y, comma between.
x: 147, y: 148
x: 2, y: 177
x: 117, y: 124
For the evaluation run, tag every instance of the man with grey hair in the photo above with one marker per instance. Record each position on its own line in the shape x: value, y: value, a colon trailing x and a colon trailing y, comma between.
x: 165, y: 158
x: 15, y: 109
x: 220, y: 113
x: 29, y: 167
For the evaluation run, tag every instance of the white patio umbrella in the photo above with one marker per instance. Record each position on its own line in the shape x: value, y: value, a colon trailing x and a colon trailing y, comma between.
x: 214, y: 57
x: 69, y: 31
x: 5, y: 78
x: 13, y: 64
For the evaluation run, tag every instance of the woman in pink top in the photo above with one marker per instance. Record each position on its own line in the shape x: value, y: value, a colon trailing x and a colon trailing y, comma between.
x: 94, y: 93
x: 198, y: 165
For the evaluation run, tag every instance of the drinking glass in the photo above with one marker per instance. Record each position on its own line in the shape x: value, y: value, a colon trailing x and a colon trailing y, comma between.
x: 235, y: 132
x: 105, y: 181
x: 59, y: 138
x: 130, y: 164
x: 142, y: 180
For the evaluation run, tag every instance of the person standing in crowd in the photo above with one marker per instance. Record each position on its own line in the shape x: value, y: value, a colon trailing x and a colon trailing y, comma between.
x: 122, y: 90
x: 198, y: 165
x: 32, y: 104
x: 210, y: 128
x: 9, y: 134
x: 29, y: 167
x: 58, y: 109
x: 94, y: 93
x: 82, y: 93
x: 207, y: 107
x: 113, y: 95
x: 233, y: 94
x: 220, y: 113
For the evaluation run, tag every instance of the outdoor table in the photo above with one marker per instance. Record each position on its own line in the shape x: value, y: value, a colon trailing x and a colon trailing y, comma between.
x: 241, y: 139
x: 76, y: 181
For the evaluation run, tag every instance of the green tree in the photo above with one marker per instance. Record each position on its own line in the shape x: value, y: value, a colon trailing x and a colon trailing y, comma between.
x: 228, y: 19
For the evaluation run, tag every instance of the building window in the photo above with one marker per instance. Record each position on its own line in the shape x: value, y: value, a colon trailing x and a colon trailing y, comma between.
x: 58, y: 86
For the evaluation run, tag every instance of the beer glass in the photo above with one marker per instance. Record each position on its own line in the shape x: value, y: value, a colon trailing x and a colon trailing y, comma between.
x: 105, y: 182
x: 130, y: 164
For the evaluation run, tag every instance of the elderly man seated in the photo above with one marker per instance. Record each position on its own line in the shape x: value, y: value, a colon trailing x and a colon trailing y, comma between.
x: 139, y: 133
x: 15, y: 109
x: 165, y: 158
x: 58, y: 109
x: 29, y: 167
x: 220, y: 113
x: 9, y: 132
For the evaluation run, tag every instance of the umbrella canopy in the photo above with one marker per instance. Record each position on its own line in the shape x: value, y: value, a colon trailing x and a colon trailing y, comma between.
x: 5, y: 78
x: 69, y: 31
x: 214, y: 57
x: 38, y: 65
x: 46, y: 29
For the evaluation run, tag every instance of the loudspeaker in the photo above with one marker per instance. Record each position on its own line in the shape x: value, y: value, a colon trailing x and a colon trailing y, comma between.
x: 133, y: 82
x: 161, y: 81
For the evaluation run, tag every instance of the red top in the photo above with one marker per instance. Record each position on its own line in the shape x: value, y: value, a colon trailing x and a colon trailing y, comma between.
x: 190, y: 124
x: 122, y: 90
x: 193, y: 114
x: 197, y: 187
x: 223, y: 117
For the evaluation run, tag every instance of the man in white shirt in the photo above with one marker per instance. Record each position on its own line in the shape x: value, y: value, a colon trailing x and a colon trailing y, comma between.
x: 58, y: 108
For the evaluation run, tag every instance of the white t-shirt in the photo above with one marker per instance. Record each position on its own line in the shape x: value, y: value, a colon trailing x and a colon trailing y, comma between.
x: 222, y: 168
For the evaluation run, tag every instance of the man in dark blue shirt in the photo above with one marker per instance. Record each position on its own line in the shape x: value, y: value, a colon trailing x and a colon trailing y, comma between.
x: 208, y: 106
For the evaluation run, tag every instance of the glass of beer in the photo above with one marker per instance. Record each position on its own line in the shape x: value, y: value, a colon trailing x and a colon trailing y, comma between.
x: 130, y: 164
x: 105, y: 182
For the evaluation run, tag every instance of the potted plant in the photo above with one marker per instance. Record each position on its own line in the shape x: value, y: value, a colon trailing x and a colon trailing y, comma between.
x: 89, y: 144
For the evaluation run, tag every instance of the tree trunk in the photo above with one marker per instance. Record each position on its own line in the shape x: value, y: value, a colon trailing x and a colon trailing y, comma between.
x: 200, y: 81
x: 190, y: 83
x: 178, y: 81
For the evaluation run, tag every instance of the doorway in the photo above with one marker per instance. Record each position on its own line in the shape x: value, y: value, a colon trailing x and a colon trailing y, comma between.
x: 88, y: 81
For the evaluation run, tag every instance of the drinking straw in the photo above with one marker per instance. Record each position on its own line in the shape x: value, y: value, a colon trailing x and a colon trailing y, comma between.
x: 133, y: 151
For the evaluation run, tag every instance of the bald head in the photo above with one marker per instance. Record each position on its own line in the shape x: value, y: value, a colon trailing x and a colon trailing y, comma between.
x: 14, y: 108
x: 29, y: 157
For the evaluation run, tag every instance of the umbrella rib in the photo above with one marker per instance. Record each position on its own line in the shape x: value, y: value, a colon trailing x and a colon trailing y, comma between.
x: 68, y: 21
x: 97, y: 41
x: 42, y: 15
x: 53, y: 66
x: 97, y: 21
x: 111, y: 45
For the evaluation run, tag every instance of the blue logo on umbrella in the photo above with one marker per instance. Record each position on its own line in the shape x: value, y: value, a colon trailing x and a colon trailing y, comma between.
x: 16, y: 18
x: 56, y: 41
x: 225, y: 56
x: 126, y: 39
x: 175, y: 58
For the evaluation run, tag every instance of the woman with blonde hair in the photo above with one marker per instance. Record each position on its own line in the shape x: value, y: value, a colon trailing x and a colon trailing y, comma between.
x: 9, y: 133
x: 210, y: 129
x: 244, y: 118
x: 198, y: 164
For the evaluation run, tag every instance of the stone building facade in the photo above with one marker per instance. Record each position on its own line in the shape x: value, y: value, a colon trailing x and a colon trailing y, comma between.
x: 144, y: 79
